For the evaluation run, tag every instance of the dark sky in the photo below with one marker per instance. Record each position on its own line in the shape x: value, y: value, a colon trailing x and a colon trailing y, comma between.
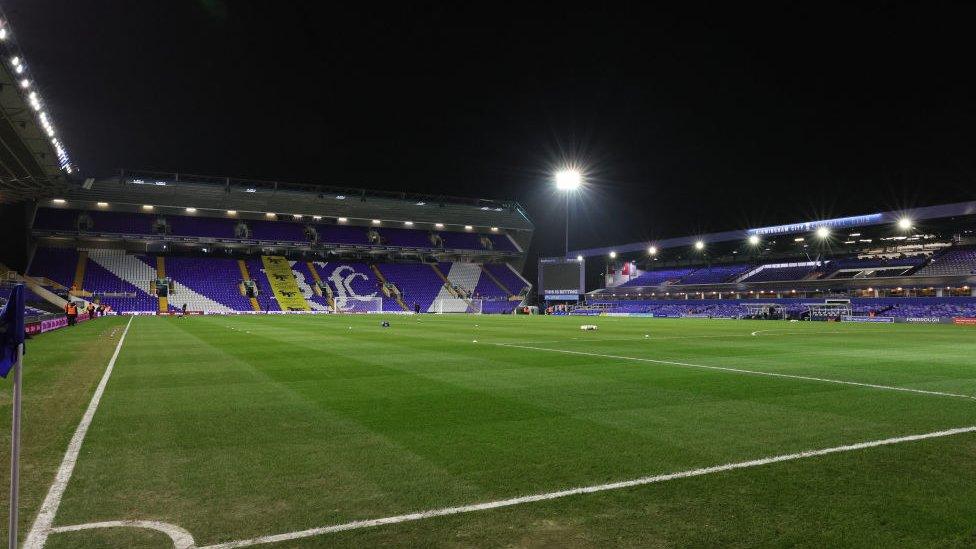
x: 689, y: 117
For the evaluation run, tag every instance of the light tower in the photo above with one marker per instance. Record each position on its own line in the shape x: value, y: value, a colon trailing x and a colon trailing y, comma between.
x: 568, y: 181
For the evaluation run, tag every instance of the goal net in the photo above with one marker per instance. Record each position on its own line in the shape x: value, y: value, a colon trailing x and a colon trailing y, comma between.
x: 359, y: 305
x: 455, y: 305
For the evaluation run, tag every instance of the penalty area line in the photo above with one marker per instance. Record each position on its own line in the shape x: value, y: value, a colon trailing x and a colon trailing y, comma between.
x: 39, y: 532
x: 742, y: 371
x: 446, y: 511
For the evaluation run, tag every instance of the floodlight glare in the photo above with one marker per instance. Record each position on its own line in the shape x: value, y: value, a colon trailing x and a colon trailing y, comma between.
x: 904, y: 223
x: 569, y: 180
x: 579, y: 258
x: 753, y: 239
x: 342, y: 219
x: 652, y: 250
x: 191, y: 210
x: 823, y: 232
x: 613, y: 255
x: 439, y: 225
x: 103, y: 204
x: 699, y: 245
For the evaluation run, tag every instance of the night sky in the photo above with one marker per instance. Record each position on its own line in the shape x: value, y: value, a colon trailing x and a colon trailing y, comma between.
x: 688, y: 119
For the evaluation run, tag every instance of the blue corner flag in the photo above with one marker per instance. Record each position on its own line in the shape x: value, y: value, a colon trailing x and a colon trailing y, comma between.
x: 11, y: 329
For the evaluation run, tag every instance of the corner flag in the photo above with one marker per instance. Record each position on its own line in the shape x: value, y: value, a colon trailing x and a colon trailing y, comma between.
x: 11, y: 329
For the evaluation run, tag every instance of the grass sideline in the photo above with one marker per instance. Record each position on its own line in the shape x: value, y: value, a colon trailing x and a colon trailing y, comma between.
x: 234, y: 427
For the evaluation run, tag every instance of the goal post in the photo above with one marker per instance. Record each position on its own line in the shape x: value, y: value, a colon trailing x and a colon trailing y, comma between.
x: 456, y: 305
x: 358, y: 305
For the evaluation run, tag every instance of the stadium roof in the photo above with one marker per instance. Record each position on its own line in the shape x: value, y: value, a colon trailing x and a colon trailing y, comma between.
x: 944, y: 211
x: 219, y: 194
x: 33, y: 161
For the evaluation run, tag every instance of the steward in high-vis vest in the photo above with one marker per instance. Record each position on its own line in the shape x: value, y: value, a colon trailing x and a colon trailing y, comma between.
x: 71, y: 310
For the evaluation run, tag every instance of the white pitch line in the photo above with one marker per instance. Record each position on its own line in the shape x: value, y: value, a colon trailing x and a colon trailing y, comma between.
x: 181, y: 538
x: 742, y: 371
x: 45, y: 517
x: 355, y: 525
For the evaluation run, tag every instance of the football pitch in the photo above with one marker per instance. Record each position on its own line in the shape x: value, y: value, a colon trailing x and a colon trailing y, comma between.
x: 471, y: 431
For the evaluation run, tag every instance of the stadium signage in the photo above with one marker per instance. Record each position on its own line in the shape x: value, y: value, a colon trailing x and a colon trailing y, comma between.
x: 964, y: 321
x: 926, y: 320
x: 838, y: 223
x: 884, y: 319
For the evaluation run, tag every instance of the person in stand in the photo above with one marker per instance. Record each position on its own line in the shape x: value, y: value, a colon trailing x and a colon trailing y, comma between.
x: 184, y: 309
x: 416, y: 308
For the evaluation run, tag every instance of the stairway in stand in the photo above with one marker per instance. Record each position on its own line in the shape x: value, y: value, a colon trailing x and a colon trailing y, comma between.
x: 161, y: 274
x: 497, y: 282
x: 245, y: 275
x: 382, y: 279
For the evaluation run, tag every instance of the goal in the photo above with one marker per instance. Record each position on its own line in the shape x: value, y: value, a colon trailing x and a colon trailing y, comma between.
x: 360, y: 305
x: 455, y: 305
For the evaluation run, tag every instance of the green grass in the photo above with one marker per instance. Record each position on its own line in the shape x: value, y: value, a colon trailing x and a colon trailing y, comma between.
x: 248, y: 426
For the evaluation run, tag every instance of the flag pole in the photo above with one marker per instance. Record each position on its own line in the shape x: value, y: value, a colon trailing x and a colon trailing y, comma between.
x: 15, y: 449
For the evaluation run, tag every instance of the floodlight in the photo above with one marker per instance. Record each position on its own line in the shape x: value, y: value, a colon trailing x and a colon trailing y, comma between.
x: 904, y: 223
x: 147, y: 207
x: 231, y: 212
x: 408, y: 223
x: 376, y: 222
x: 468, y: 228
x: 191, y: 210
x: 297, y: 216
x: 343, y: 219
x: 613, y: 255
x: 58, y: 201
x: 269, y: 214
x: 823, y: 232
x: 494, y: 229
x: 652, y: 250
x: 25, y: 83
x: 754, y: 239
x: 317, y: 217
x: 569, y: 180
x: 579, y: 258
x: 103, y: 204
x: 699, y: 245
x: 439, y: 225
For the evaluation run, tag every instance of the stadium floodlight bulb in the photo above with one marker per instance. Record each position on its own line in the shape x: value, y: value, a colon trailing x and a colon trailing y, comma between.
x: 579, y: 258
x: 343, y: 219
x: 569, y: 179
x: 468, y: 228
x: 376, y: 222
x: 754, y: 239
x: 439, y: 225
x: 652, y: 250
x: 58, y: 201
x: 191, y: 210
x: 823, y: 232
x: 297, y: 216
x: 231, y: 212
x: 904, y: 223
x: 699, y: 245
x: 317, y: 217
x: 147, y: 207
x: 103, y: 204
x: 269, y: 214
x: 494, y: 229
x: 408, y: 223
x: 613, y: 255
x: 15, y: 61
x: 25, y: 83
x: 3, y: 33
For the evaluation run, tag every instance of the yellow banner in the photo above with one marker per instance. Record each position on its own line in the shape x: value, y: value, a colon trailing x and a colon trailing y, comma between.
x: 283, y: 284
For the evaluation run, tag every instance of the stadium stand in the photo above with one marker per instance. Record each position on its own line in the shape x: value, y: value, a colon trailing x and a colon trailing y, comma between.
x: 125, y: 281
x: 70, y: 221
x: 715, y: 274
x: 959, y: 261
